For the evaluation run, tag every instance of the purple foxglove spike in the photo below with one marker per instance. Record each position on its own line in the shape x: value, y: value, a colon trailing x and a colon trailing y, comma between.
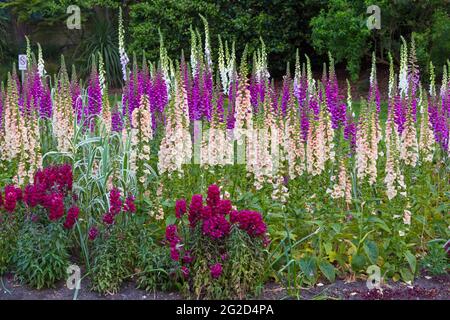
x: 164, y: 99
x: 231, y: 120
x: 196, y: 97
x: 45, y: 108
x: 207, y: 94
x: 304, y: 123
x: 253, y: 92
x: 285, y: 95
x: 1, y: 108
x: 37, y: 91
x: 94, y: 98
x: 399, y: 113
x: 350, y: 132
x: 274, y: 98
x: 262, y: 91
x: 220, y: 110
x: 116, y: 120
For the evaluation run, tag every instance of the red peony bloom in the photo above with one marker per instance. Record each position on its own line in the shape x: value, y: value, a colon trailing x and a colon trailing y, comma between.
x: 174, y: 254
x: 72, y: 216
x: 216, y: 270
x: 250, y: 221
x: 172, y: 235
x: 115, y: 203
x: 180, y: 208
x: 185, y: 272
x: 213, y: 195
x: 129, y: 205
x: 108, y: 218
x: 216, y: 227
x: 187, y: 257
x: 195, y: 209
x: 10, y: 198
x: 93, y: 233
x: 56, y: 206
x: 224, y: 207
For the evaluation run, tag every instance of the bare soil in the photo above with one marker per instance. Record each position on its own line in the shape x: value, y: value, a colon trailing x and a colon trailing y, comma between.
x: 424, y: 288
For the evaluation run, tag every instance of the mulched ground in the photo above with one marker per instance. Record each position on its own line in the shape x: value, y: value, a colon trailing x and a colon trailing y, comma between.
x: 424, y: 288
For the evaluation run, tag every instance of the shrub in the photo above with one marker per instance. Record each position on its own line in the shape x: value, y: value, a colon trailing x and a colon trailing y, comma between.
x: 154, y: 266
x: 41, y: 258
x: 220, y: 254
x: 115, y: 248
x: 42, y: 254
x: 10, y: 224
x: 436, y: 260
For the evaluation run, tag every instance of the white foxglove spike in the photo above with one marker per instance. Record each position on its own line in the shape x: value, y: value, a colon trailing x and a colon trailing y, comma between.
x: 41, y: 68
x: 124, y: 60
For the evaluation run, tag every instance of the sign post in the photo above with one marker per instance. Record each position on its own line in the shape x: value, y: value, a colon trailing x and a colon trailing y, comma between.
x: 23, y: 65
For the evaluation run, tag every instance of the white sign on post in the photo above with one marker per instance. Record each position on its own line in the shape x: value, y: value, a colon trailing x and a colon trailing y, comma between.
x: 22, y: 62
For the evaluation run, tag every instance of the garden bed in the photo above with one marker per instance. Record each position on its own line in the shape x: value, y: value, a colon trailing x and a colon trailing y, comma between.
x: 424, y: 288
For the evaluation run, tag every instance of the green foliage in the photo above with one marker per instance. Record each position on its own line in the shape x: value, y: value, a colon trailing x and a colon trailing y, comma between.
x: 154, y: 266
x: 243, y: 261
x: 436, y: 261
x: 277, y: 22
x: 341, y: 30
x: 42, y: 255
x: 432, y: 43
x: 114, y: 259
x: 102, y: 40
x: 10, y: 225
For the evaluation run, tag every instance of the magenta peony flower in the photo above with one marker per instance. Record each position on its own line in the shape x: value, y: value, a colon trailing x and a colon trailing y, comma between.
x: 216, y: 270
x: 185, y: 271
x: 56, y: 206
x: 129, y: 205
x: 174, y: 254
x: 180, y: 208
x: 216, y: 227
x: 10, y: 198
x: 224, y: 207
x: 115, y: 203
x: 93, y: 233
x: 187, y: 257
x: 172, y: 235
x: 195, y: 209
x: 72, y: 216
x: 108, y: 218
x: 213, y: 195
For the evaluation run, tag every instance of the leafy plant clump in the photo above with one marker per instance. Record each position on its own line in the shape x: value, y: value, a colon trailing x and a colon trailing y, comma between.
x: 155, y: 267
x: 41, y: 258
x: 436, y: 261
x: 115, y: 250
x: 220, y: 253
x: 37, y: 214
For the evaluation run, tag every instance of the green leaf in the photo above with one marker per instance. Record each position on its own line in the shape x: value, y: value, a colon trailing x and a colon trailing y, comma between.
x: 371, y: 250
x: 328, y: 270
x: 407, y: 276
x: 308, y: 266
x: 170, y: 220
x: 412, y: 261
x: 358, y: 262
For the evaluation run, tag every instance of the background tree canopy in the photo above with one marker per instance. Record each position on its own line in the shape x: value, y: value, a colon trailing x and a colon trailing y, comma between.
x: 315, y: 27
